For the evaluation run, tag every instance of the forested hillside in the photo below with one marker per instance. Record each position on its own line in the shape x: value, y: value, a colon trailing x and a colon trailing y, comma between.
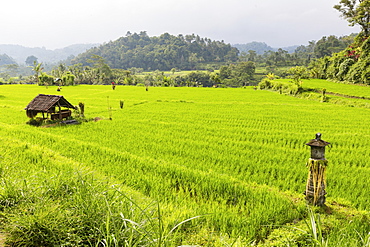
x: 164, y: 52
x: 261, y: 47
x: 6, y: 60
x: 350, y: 65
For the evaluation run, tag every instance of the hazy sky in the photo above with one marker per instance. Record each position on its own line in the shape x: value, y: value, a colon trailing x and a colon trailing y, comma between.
x: 278, y: 23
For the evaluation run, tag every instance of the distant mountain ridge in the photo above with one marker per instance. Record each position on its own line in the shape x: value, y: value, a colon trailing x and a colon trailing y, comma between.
x: 20, y: 53
x: 261, y: 47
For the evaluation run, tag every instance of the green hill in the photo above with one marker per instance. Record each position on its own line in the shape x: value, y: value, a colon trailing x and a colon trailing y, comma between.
x: 185, y: 52
x: 261, y: 47
x: 20, y: 53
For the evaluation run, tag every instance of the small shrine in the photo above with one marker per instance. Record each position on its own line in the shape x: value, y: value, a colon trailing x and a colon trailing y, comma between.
x: 316, y: 184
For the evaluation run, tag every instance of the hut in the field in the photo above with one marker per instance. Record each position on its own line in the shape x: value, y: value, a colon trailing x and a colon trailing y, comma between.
x: 53, y: 106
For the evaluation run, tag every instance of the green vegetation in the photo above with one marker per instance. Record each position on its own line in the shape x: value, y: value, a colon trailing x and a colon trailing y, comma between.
x: 185, y: 163
x: 6, y: 60
x: 213, y: 63
x: 233, y: 158
x: 356, y: 12
x: 163, y: 53
x: 349, y: 65
x: 321, y: 90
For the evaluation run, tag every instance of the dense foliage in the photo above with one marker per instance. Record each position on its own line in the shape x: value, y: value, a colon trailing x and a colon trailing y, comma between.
x: 349, y: 65
x: 212, y: 62
x: 163, y: 53
x: 234, y: 75
x: 356, y: 12
x: 302, y: 55
x: 240, y: 74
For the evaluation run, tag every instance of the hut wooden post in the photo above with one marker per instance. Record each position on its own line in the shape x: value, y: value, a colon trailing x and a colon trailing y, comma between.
x: 316, y: 184
x: 60, y: 111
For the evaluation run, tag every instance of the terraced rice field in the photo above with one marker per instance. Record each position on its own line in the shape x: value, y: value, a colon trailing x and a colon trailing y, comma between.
x: 236, y: 157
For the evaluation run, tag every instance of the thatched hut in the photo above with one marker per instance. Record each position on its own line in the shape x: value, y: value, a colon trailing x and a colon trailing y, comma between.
x: 54, y: 105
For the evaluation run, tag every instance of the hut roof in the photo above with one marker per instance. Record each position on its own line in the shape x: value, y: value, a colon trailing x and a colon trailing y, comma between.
x: 43, y: 103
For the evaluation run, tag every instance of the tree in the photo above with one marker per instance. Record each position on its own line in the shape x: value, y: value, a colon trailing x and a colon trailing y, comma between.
x: 78, y: 71
x: 59, y: 70
x: 103, y: 69
x: 12, y: 68
x: 89, y: 75
x: 199, y: 78
x: 30, y: 60
x: 243, y: 73
x: 329, y: 45
x: 236, y: 75
x: 297, y: 73
x: 37, y: 68
x: 356, y: 12
x: 225, y: 73
x: 215, y: 77
x: 68, y: 78
x: 252, y: 55
x: 45, y: 79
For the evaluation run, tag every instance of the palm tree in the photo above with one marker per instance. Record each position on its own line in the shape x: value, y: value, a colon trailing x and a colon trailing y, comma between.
x: 38, y: 69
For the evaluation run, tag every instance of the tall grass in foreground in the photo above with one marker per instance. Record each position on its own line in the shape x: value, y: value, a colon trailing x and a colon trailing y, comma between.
x: 72, y: 206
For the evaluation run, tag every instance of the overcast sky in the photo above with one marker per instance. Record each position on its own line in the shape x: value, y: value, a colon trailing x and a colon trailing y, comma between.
x: 278, y: 23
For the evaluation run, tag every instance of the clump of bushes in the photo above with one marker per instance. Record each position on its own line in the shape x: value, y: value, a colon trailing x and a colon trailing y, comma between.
x: 282, y: 87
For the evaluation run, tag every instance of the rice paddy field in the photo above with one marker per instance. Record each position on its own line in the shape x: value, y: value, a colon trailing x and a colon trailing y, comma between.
x: 182, y: 166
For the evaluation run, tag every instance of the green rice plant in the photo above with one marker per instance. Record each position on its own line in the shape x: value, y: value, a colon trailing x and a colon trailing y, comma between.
x: 365, y: 240
x: 42, y: 226
x: 156, y: 233
x: 235, y: 155
x: 309, y: 233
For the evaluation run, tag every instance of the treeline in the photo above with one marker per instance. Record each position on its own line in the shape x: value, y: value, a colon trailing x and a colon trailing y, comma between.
x: 302, y: 56
x: 233, y: 75
x: 350, y: 65
x: 214, y: 63
x: 261, y: 47
x: 185, y: 52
